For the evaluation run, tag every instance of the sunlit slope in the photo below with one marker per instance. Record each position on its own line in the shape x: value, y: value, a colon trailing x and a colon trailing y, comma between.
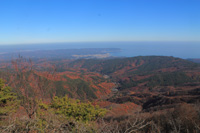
x: 77, y: 84
x: 145, y: 79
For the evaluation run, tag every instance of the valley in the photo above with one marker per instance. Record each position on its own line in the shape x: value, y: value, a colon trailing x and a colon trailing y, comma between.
x: 123, y: 86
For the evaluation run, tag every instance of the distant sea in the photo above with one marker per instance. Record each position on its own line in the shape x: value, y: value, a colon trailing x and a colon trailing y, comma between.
x: 183, y: 50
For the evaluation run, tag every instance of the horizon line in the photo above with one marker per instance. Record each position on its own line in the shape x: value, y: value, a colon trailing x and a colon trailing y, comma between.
x: 37, y: 43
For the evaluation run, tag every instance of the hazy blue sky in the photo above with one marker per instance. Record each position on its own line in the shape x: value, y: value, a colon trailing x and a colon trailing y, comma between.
x: 39, y: 21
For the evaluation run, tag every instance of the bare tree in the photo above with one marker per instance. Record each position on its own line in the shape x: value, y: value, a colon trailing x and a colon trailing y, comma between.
x: 29, y: 83
x: 136, y: 125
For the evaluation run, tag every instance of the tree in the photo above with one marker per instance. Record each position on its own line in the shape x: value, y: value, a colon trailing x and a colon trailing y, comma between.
x: 8, y: 100
x: 30, y: 84
x: 74, y: 109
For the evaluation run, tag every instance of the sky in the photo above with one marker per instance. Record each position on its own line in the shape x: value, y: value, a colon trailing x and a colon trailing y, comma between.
x: 50, y: 21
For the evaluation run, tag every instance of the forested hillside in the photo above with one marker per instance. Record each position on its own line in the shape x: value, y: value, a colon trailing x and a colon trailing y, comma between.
x: 136, y: 65
x: 142, y: 78
x: 95, y: 95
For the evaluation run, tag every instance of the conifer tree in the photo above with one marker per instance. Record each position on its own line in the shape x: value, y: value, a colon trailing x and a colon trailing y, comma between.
x: 8, y: 100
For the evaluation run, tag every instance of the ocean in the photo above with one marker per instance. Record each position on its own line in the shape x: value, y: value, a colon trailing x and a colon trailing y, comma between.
x: 183, y: 50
